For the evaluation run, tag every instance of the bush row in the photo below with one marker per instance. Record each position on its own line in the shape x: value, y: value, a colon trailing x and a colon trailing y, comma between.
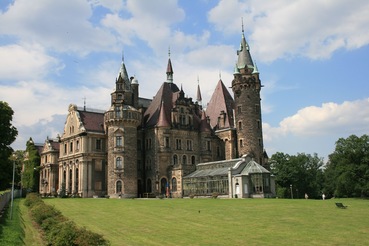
x: 58, y: 229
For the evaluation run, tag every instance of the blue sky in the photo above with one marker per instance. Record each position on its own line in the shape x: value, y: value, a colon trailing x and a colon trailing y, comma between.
x: 313, y: 58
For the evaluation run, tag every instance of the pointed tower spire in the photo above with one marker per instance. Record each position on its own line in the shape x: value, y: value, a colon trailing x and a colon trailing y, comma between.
x: 169, y: 69
x: 198, y: 98
x: 123, y: 81
x: 244, y: 56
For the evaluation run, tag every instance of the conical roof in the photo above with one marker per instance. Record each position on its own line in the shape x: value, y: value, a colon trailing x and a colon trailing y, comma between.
x: 244, y: 56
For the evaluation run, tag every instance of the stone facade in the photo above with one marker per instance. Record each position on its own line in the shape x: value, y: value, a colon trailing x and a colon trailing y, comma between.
x: 145, y: 147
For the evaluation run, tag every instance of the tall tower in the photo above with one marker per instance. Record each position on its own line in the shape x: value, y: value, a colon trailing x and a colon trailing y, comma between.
x: 121, y: 122
x: 246, y: 87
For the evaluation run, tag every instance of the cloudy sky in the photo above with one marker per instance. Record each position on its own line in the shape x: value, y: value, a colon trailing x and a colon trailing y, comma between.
x: 313, y: 58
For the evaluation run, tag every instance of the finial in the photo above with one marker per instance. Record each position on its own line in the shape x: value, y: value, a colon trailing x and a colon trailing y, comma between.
x: 198, y: 80
x: 169, y: 51
x: 220, y: 74
x: 242, y: 25
x: 122, y: 56
x: 84, y: 103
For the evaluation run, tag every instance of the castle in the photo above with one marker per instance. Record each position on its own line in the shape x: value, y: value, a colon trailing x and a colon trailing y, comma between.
x: 169, y: 145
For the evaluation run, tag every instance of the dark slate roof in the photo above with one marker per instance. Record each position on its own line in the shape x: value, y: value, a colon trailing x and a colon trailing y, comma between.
x: 244, y: 56
x: 162, y: 121
x: 55, y: 145
x: 167, y: 95
x: 221, y: 100
x: 92, y: 121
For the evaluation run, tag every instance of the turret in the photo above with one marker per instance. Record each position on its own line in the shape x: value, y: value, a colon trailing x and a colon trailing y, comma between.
x: 246, y: 87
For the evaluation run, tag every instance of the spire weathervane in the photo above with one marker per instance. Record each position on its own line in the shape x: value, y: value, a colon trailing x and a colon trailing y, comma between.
x: 242, y: 25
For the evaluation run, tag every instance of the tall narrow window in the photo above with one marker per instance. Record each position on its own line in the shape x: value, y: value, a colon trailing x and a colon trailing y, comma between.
x: 119, y: 186
x: 71, y: 147
x: 117, y: 112
x: 77, y: 145
x: 174, y: 184
x: 175, y: 159
x: 118, y: 163
x: 118, y: 141
x: 178, y: 144
x: 184, y: 159
x: 189, y: 144
x: 239, y: 109
x: 240, y: 125
x: 166, y: 142
x: 98, y: 144
x: 208, y: 145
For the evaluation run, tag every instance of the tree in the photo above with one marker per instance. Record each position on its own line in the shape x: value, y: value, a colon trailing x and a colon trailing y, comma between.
x: 299, y: 174
x: 30, y: 176
x: 347, y: 172
x: 8, y: 134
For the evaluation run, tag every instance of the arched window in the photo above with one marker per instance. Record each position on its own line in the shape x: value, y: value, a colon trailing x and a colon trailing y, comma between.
x: 184, y: 159
x: 175, y: 159
x: 174, y: 184
x: 118, y: 163
x: 163, y: 185
x: 193, y: 160
x: 119, y: 186
x: 76, y: 180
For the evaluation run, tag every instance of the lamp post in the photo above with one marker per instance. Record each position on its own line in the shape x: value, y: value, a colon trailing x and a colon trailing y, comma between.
x: 12, y: 195
x: 291, y: 191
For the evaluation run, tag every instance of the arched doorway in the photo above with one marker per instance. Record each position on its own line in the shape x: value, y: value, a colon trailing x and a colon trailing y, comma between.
x: 163, y: 185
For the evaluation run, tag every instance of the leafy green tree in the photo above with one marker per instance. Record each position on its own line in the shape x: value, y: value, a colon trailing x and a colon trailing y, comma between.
x: 301, y: 173
x: 347, y: 171
x: 8, y: 134
x: 30, y: 176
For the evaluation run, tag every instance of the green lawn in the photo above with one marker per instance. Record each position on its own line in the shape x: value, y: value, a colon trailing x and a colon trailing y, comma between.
x: 221, y: 221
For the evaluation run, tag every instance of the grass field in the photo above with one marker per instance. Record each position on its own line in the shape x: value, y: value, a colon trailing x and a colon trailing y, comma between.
x: 221, y: 221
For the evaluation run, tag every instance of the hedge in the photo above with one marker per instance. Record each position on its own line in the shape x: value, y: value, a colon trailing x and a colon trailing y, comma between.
x: 59, y: 230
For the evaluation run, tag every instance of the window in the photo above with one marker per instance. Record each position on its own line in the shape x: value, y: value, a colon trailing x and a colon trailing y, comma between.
x: 239, y: 109
x: 45, y: 158
x: 65, y: 148
x: 241, y: 143
x: 148, y: 143
x: 175, y: 159
x: 118, y: 141
x: 118, y: 163
x: 208, y: 145
x: 193, y: 160
x: 240, y: 125
x: 98, y: 144
x: 184, y: 159
x: 71, y: 147
x: 77, y: 145
x: 258, y: 122
x: 174, y: 184
x: 117, y: 112
x: 182, y: 119
x: 178, y: 144
x: 119, y: 186
x: 166, y: 142
x: 189, y: 144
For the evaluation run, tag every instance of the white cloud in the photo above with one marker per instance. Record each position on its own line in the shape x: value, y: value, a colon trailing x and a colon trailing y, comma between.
x: 350, y: 117
x: 280, y: 29
x: 59, y: 25
x: 26, y: 62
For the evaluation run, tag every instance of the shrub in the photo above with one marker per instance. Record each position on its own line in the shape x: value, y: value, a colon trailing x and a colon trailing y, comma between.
x: 214, y: 195
x: 88, y: 238
x: 32, y: 199
x: 41, y: 211
x: 63, y: 234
